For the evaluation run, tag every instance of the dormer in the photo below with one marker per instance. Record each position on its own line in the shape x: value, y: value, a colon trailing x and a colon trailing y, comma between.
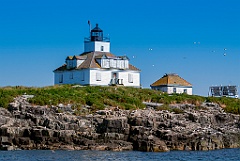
x: 69, y: 62
x: 74, y: 61
x: 121, y: 62
x: 78, y: 60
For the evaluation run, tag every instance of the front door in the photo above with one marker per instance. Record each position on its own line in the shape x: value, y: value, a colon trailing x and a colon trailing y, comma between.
x: 114, y: 78
x: 114, y: 75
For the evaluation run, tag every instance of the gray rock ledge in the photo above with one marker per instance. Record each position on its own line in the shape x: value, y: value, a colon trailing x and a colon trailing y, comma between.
x: 24, y: 126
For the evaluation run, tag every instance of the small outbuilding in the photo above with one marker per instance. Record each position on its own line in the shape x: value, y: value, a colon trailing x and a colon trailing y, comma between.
x: 172, y: 83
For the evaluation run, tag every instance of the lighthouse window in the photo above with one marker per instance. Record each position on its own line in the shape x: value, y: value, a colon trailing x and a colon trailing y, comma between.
x: 185, y: 91
x: 130, y: 78
x: 71, y: 75
x: 174, y: 90
x: 61, y: 78
x: 70, y: 64
x: 102, y: 48
x: 106, y: 63
x: 98, y: 76
x: 95, y: 34
x: 82, y: 76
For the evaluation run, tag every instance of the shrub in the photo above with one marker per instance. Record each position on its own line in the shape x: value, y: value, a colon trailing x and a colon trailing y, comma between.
x: 177, y: 110
x: 100, y: 97
x: 163, y: 107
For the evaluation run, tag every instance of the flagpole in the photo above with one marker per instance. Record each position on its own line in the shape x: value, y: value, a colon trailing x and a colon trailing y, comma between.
x: 89, y: 23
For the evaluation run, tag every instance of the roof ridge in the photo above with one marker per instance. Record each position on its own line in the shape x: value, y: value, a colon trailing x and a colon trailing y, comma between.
x: 133, y: 67
x: 171, y: 80
x: 93, y: 56
x: 184, y: 79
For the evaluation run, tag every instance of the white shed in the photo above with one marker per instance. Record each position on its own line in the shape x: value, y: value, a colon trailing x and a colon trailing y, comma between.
x: 172, y: 83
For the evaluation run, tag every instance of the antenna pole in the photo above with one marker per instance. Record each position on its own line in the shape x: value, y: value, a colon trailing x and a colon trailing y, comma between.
x: 89, y: 23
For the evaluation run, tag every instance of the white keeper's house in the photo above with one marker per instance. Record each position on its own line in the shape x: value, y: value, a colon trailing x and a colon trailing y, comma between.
x: 97, y: 66
x: 172, y: 83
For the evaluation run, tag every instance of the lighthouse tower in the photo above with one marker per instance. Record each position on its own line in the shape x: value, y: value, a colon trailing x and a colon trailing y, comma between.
x: 96, y: 41
x: 97, y: 66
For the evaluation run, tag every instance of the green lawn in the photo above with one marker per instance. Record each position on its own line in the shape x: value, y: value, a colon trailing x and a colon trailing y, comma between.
x: 100, y: 97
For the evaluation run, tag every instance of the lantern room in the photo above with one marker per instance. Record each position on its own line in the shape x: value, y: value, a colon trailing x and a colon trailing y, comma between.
x: 96, y: 34
x: 96, y: 41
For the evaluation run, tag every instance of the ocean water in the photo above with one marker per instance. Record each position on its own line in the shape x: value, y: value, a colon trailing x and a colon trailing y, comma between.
x: 60, y: 155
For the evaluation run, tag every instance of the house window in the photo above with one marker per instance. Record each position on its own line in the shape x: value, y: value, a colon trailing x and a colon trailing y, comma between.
x: 130, y: 78
x: 185, y: 91
x: 82, y: 76
x: 102, y: 48
x: 98, y: 76
x: 61, y: 78
x: 174, y: 90
x: 106, y: 63
x: 71, y: 75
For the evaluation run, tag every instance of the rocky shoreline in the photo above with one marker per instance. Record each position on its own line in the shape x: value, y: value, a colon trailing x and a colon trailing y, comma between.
x: 206, y: 127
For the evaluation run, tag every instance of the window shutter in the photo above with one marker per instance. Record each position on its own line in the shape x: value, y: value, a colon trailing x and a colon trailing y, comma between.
x: 98, y: 76
x: 61, y: 78
x: 130, y: 78
x: 71, y: 75
x: 82, y: 76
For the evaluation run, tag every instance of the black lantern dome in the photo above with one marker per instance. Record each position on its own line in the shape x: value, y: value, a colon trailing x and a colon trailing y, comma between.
x: 96, y: 34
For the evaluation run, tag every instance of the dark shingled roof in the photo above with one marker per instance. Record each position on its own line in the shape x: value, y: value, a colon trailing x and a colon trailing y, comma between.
x: 61, y: 68
x: 90, y: 61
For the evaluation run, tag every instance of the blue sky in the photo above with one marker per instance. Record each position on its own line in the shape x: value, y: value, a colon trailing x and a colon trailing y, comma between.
x: 187, y: 37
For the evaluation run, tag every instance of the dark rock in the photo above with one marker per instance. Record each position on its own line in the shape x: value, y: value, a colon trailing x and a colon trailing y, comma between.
x: 24, y: 126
